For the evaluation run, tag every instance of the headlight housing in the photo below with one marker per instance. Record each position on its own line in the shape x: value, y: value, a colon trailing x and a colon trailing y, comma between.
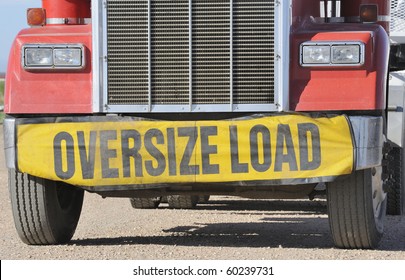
x: 44, y: 56
x: 332, y: 54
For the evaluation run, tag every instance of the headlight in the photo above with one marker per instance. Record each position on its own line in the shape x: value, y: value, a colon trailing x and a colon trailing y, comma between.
x: 316, y: 54
x: 38, y: 57
x: 346, y: 54
x: 53, y: 57
x: 67, y: 57
x: 332, y: 54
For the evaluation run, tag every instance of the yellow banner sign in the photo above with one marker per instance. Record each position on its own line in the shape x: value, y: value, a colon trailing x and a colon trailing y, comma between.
x: 134, y: 152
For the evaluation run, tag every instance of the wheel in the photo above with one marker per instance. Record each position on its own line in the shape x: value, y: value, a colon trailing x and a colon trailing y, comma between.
x: 45, y: 212
x: 356, y: 208
x: 203, y: 198
x: 145, y: 202
x: 182, y: 201
x: 395, y: 182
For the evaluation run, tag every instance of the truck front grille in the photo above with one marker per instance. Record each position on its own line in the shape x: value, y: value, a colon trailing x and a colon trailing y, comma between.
x: 191, y: 52
x: 397, y: 23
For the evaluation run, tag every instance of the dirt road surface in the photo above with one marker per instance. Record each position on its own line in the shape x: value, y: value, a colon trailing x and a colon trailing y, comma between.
x: 225, y: 228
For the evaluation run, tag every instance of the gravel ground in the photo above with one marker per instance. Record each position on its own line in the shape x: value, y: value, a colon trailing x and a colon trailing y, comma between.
x: 225, y: 228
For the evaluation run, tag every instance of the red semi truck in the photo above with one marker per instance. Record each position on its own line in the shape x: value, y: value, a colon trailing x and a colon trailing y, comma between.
x: 146, y: 99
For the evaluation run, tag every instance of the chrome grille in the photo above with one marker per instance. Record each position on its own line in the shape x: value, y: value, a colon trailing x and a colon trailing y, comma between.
x: 169, y: 52
x: 127, y: 44
x: 190, y: 52
x: 397, y: 23
x: 211, y: 52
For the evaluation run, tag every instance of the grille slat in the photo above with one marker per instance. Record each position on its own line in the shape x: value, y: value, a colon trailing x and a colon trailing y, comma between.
x: 397, y: 23
x: 163, y: 52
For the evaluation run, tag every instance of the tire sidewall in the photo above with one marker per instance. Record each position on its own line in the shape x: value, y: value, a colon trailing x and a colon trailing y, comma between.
x: 65, y: 218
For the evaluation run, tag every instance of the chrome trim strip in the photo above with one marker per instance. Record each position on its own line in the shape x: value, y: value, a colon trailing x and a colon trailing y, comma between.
x: 384, y: 18
x: 97, y: 43
x: 104, y: 56
x: 9, y: 142
x: 283, y: 20
x: 69, y: 21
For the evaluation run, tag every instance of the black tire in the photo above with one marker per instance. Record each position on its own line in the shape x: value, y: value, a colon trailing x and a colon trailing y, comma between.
x: 203, y: 198
x: 145, y: 202
x: 45, y: 212
x: 182, y: 201
x: 395, y: 182
x: 357, y: 208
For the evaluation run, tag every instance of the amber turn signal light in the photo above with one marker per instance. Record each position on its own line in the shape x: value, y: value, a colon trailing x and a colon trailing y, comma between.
x: 368, y: 13
x: 36, y: 17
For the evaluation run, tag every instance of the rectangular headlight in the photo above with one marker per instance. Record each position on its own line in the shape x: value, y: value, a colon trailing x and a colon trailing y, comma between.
x: 346, y: 54
x: 38, y: 57
x: 332, y: 54
x: 44, y: 56
x: 316, y: 54
x: 67, y: 57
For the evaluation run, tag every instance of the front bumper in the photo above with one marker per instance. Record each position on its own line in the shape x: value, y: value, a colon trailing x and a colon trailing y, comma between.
x: 100, y: 151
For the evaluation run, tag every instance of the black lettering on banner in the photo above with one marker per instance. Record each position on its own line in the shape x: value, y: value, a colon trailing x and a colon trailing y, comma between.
x: 185, y: 167
x: 131, y: 152
x: 107, y: 154
x: 207, y: 150
x: 171, y: 152
x: 87, y: 156
x: 254, y: 148
x: 236, y: 166
x: 58, y: 157
x: 154, y: 152
x: 313, y: 130
x: 284, y: 142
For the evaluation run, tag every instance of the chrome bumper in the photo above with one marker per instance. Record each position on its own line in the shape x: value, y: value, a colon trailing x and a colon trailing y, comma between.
x: 368, y: 141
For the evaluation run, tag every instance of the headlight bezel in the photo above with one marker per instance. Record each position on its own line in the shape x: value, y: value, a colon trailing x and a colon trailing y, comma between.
x: 332, y: 62
x: 54, y: 48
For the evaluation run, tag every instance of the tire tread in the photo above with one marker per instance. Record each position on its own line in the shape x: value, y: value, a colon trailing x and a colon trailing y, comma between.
x: 145, y: 202
x: 395, y: 182
x: 351, y: 221
x: 182, y: 201
x: 31, y: 211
